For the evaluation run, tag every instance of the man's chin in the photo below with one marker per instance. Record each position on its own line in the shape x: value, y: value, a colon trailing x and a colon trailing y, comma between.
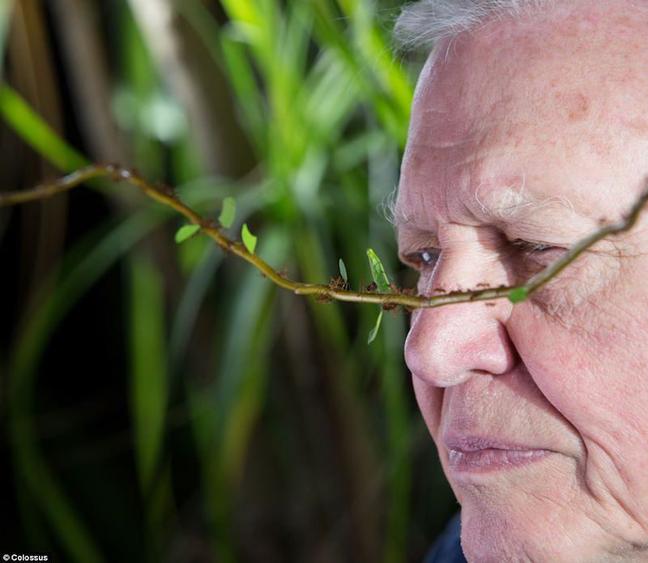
x: 531, y: 532
x: 525, y: 513
x: 490, y: 536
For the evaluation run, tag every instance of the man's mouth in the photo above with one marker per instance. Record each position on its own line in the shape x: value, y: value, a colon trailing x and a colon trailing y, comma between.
x: 470, y: 454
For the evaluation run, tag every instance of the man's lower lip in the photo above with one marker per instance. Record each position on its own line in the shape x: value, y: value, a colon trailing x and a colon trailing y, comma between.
x: 492, y: 459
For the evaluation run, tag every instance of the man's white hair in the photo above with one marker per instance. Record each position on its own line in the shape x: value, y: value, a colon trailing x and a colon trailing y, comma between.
x: 423, y: 24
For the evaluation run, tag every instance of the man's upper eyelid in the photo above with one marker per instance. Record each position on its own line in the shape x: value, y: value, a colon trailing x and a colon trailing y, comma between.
x: 407, y: 252
x: 413, y: 239
x: 414, y: 246
x: 533, y: 244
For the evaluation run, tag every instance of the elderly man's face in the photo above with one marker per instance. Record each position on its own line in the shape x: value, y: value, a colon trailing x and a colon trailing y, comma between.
x: 522, y: 135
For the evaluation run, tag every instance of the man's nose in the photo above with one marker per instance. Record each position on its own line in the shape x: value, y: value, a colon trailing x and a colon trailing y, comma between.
x: 447, y: 345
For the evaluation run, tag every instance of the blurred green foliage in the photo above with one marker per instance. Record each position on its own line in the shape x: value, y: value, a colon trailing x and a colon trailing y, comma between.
x: 261, y: 427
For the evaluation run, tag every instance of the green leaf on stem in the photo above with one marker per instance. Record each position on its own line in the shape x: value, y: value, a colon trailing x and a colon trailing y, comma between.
x: 186, y: 232
x: 343, y: 270
x: 226, y: 217
x: 375, y: 329
x: 378, y: 271
x: 249, y: 240
x: 518, y: 294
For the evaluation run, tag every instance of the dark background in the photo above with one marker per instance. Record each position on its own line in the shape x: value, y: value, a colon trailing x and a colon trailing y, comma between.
x: 164, y: 402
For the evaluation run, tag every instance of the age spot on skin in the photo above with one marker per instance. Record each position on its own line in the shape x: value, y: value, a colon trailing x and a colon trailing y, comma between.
x: 577, y: 105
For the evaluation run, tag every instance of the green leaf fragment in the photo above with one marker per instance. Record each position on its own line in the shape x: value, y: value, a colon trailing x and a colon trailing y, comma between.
x: 227, y: 214
x: 518, y: 294
x: 343, y: 270
x: 374, y: 331
x: 249, y: 240
x: 185, y: 232
x: 378, y: 271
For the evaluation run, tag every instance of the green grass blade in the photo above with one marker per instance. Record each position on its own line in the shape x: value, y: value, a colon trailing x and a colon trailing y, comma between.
x: 190, y: 303
x: 329, y: 322
x: 36, y: 132
x: 224, y: 414
x: 243, y: 81
x: 329, y: 95
x: 149, y: 377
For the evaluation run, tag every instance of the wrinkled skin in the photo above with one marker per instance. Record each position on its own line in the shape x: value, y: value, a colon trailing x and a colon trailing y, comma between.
x: 536, y: 131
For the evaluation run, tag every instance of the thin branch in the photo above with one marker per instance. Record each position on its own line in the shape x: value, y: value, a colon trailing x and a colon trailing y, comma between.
x: 625, y: 224
x: 166, y: 196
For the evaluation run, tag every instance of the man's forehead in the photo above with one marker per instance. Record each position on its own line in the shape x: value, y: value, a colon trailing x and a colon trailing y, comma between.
x: 549, y: 119
x: 567, y: 61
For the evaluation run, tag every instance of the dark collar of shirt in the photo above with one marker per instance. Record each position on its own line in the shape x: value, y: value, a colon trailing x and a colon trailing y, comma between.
x: 447, y: 548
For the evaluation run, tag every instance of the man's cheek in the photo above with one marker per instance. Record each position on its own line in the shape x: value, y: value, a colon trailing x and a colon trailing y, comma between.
x: 576, y: 363
x: 554, y: 354
x: 572, y: 299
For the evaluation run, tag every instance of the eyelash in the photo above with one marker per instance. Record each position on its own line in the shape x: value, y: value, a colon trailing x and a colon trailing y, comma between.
x: 531, y: 247
x: 427, y: 258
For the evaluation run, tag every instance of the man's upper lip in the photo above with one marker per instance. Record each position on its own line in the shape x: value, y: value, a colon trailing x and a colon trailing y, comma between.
x: 474, y: 443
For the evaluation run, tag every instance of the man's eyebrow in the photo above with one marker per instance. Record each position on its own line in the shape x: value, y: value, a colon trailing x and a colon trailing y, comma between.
x: 390, y: 210
x: 397, y: 216
x: 507, y: 206
x: 510, y: 206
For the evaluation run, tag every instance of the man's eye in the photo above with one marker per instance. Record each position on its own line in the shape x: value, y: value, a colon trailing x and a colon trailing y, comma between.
x: 537, y: 250
x: 423, y: 259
